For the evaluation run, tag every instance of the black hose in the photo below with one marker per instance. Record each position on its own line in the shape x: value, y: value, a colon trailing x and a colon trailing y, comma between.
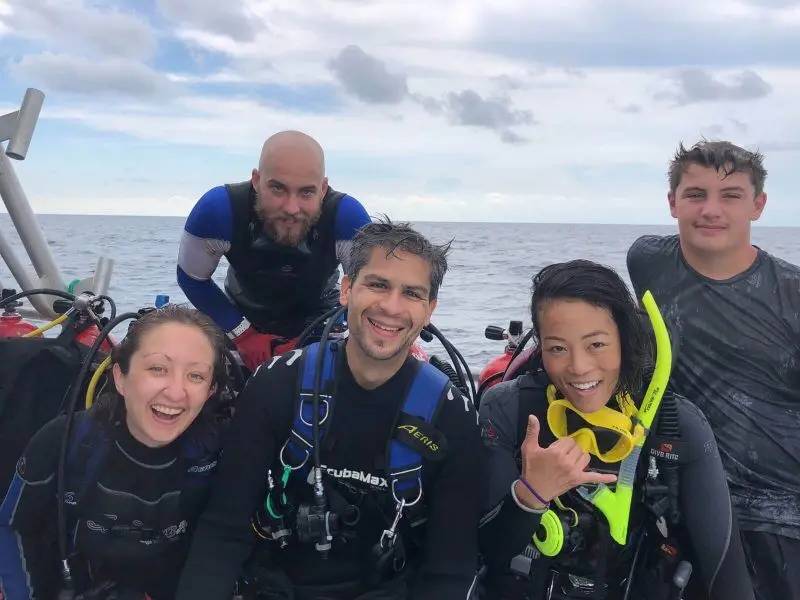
x: 520, y: 347
x: 70, y: 412
x: 458, y: 360
x: 238, y: 374
x: 112, y: 305
x: 446, y: 368
x: 634, y: 560
x: 60, y: 294
x: 314, y: 324
x: 34, y: 292
x: 457, y: 366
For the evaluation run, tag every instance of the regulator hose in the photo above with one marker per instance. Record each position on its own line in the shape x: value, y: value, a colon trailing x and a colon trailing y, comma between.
x: 72, y: 403
x: 301, y: 341
x: 465, y: 374
x: 446, y: 368
x: 33, y: 292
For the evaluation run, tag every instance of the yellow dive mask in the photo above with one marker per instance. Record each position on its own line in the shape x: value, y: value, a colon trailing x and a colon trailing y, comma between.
x: 608, y: 434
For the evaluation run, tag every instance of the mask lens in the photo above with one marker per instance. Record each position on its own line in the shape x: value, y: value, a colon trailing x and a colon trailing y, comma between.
x: 606, y: 439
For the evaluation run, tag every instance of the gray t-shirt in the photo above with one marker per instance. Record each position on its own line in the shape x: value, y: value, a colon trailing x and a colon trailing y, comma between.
x: 739, y: 361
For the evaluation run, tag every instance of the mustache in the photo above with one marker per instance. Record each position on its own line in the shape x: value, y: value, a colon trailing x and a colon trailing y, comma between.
x: 290, y: 218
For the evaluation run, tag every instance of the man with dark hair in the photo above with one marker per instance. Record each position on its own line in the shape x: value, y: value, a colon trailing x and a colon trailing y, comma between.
x: 736, y: 312
x: 284, y: 233
x: 382, y: 404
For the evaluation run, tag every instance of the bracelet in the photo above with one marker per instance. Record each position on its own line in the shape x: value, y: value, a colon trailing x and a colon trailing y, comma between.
x: 534, y: 492
x: 524, y: 507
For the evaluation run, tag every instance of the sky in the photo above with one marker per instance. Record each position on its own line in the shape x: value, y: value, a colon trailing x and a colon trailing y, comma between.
x: 514, y: 110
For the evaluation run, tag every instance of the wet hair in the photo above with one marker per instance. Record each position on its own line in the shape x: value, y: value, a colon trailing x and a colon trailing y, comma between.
x: 394, y: 238
x: 721, y: 156
x: 111, y: 405
x: 599, y: 286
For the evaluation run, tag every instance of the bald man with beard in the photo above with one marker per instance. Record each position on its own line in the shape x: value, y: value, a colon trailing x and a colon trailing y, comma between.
x: 284, y: 233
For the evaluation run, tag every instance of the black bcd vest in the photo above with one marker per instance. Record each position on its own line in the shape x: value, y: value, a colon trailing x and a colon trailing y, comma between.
x: 280, y: 288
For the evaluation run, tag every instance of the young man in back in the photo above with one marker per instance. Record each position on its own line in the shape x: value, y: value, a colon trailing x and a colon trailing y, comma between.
x: 735, y: 310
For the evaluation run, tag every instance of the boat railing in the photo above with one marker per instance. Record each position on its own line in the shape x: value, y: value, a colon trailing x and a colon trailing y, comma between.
x: 17, y: 129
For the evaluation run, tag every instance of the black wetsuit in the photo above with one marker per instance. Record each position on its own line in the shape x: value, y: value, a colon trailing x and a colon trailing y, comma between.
x: 444, y: 557
x: 739, y: 361
x: 129, y: 522
x: 706, y: 534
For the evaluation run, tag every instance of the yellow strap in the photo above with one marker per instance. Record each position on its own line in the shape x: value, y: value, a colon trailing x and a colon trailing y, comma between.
x: 561, y: 506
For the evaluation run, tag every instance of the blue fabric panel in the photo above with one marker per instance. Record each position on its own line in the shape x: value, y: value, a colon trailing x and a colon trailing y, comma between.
x: 14, y: 579
x: 350, y: 217
x: 212, y: 216
x: 422, y: 401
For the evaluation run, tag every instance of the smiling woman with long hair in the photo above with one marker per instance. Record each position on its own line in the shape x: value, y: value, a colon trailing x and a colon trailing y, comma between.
x: 137, y: 475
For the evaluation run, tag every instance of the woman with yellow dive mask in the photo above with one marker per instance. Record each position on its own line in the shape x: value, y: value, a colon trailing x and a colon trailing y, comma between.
x: 601, y: 485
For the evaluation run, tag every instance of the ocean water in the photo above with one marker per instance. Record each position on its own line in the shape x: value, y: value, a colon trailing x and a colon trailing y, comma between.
x: 488, y: 281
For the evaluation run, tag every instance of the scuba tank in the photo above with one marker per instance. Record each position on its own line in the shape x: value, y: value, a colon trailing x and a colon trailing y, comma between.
x: 11, y: 322
x: 87, y: 336
x: 493, y: 372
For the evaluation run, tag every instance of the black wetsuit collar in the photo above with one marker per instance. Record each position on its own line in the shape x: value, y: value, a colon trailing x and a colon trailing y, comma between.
x: 155, y: 458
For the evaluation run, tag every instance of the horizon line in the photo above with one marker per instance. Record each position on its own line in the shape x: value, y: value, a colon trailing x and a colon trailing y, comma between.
x: 756, y: 224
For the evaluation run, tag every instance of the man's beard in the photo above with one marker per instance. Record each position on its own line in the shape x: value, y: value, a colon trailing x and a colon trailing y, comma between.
x: 275, y: 225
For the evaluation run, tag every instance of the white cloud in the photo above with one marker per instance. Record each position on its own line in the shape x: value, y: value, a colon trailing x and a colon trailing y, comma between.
x: 229, y: 19
x: 585, y: 160
x: 71, y: 74
x: 5, y: 11
x: 74, y: 25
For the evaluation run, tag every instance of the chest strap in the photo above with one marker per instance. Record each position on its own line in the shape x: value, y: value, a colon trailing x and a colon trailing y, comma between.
x: 404, y: 463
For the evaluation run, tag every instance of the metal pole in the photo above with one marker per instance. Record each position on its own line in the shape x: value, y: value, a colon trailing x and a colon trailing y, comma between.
x: 26, y: 122
x: 24, y: 280
x: 14, y: 265
x: 102, y: 275
x: 99, y: 282
x: 28, y: 229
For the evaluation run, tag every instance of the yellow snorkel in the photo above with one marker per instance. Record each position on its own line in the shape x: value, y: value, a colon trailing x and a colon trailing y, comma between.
x: 616, y: 505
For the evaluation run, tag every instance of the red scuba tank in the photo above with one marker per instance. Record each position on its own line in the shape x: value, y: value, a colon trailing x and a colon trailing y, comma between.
x: 492, y: 373
x: 88, y: 335
x: 495, y: 368
x: 11, y: 322
x: 13, y: 325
